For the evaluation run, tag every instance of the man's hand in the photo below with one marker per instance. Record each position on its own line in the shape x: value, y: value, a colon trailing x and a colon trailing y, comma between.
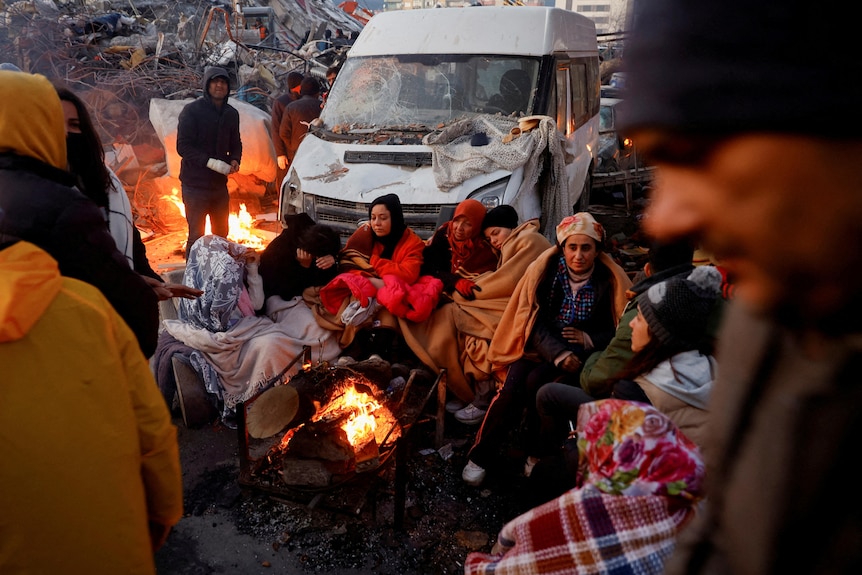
x: 180, y: 290
x: 167, y: 291
x: 282, y: 162
x: 234, y: 166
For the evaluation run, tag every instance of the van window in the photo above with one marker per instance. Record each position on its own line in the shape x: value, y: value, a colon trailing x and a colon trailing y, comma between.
x: 580, y: 108
x: 425, y: 89
x: 565, y: 123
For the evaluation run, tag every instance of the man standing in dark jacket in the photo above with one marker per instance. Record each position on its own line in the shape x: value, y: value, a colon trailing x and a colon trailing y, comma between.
x: 208, y: 141
x: 38, y: 204
x: 297, y: 115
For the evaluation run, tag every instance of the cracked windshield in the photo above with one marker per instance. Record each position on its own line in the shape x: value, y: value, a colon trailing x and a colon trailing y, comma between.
x: 429, y: 89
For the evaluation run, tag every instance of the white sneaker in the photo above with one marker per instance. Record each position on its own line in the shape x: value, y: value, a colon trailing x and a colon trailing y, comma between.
x: 470, y: 415
x: 473, y: 474
x: 454, y: 405
x: 529, y: 465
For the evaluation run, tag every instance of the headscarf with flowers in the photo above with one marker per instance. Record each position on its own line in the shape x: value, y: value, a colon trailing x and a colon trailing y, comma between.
x: 640, y: 486
x: 630, y: 448
x: 580, y: 223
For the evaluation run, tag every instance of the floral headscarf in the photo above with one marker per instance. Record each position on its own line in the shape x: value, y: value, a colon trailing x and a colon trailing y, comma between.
x: 580, y: 223
x: 630, y: 448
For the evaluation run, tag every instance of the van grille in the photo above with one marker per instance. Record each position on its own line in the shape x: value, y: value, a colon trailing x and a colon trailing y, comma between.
x: 346, y: 216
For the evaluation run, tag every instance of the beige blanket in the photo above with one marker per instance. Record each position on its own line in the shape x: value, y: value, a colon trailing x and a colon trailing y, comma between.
x: 254, y: 350
x: 508, y: 344
x: 457, y: 335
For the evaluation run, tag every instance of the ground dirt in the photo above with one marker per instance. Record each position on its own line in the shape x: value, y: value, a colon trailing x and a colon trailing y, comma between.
x: 232, y: 528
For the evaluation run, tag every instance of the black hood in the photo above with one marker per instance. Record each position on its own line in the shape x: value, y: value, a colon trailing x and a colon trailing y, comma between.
x: 210, y: 73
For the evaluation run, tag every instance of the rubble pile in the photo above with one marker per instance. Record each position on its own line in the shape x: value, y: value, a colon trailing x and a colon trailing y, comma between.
x: 119, y: 56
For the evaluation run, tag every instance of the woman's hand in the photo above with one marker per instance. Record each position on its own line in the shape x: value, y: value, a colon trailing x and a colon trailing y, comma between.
x: 376, y: 282
x: 304, y: 258
x: 325, y: 262
x: 573, y: 335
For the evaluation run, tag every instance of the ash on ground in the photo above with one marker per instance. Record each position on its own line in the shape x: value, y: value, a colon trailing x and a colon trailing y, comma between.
x: 348, y: 529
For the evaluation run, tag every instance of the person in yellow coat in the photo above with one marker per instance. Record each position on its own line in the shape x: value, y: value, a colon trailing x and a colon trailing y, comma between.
x: 90, y: 478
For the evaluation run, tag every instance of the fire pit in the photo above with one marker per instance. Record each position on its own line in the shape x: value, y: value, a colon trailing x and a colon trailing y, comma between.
x: 346, y: 426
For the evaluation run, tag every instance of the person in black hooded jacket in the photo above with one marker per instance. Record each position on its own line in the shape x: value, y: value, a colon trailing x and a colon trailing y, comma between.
x: 38, y: 204
x: 208, y: 141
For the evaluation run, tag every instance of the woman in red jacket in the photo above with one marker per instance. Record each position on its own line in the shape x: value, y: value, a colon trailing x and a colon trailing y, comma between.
x: 380, y: 273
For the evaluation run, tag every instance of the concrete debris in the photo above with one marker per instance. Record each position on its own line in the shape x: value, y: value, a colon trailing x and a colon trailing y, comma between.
x: 136, y: 63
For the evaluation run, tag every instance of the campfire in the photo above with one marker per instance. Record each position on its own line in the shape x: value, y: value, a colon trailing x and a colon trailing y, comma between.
x: 241, y: 224
x: 341, y: 424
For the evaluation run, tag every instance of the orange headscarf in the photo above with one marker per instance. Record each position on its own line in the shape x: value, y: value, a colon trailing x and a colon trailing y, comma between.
x: 474, y: 211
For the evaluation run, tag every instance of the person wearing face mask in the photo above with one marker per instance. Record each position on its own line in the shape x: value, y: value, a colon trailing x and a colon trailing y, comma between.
x: 86, y: 161
x: 39, y: 204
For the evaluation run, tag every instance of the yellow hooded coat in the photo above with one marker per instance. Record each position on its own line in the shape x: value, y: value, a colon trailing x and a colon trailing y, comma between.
x: 89, y: 452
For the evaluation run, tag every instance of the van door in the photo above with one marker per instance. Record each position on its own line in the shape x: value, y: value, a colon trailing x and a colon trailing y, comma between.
x: 575, y: 106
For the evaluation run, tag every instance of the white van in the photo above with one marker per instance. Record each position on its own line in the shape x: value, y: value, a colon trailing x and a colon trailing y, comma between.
x: 414, y: 72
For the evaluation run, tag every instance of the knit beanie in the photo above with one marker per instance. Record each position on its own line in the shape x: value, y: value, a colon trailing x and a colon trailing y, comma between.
x: 678, y: 310
x: 309, y: 86
x: 730, y: 66
x: 503, y: 216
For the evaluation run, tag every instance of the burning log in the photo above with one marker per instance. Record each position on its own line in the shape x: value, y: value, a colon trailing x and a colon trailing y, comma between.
x: 345, y: 424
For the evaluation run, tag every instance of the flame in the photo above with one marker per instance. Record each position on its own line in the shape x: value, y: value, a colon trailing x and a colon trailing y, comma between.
x: 241, y: 229
x: 240, y: 225
x: 360, y: 425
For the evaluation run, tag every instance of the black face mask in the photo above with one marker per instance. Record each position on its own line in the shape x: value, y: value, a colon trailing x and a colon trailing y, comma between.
x: 80, y: 163
x: 76, y: 152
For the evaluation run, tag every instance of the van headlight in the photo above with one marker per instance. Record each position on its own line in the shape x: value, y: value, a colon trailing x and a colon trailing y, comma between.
x: 292, y: 194
x: 491, y: 195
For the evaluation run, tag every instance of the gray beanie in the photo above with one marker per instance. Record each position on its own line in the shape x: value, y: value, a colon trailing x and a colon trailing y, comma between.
x: 678, y: 310
x: 719, y: 67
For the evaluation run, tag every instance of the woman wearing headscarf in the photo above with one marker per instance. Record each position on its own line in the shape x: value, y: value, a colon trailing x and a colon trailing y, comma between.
x: 457, y: 253
x: 640, y: 482
x: 565, y: 307
x: 379, y: 264
x: 471, y: 322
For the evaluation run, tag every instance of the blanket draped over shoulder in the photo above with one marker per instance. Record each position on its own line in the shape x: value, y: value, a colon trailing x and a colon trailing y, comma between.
x: 519, y: 317
x: 641, y: 480
x: 455, y: 160
x: 243, y: 359
x: 472, y: 323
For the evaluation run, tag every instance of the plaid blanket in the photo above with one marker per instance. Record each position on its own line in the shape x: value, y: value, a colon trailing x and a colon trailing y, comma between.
x: 586, y: 531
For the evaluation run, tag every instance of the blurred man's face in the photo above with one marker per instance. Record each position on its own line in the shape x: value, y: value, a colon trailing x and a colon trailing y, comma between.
x: 782, y: 213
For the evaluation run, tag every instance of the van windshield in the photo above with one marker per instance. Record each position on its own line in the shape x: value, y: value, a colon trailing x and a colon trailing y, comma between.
x: 384, y: 91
